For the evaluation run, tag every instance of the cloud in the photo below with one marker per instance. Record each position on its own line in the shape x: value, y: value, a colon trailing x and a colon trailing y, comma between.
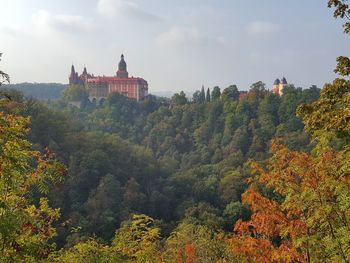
x: 277, y: 57
x: 113, y: 8
x: 46, y: 21
x: 262, y: 28
x: 182, y: 36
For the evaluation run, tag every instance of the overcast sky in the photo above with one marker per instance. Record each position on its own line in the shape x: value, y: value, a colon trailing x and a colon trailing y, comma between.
x: 175, y: 45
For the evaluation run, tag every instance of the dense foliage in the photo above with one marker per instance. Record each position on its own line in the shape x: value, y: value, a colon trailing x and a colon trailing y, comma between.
x: 25, y: 227
x: 307, y: 220
x: 167, y: 160
x: 165, y: 180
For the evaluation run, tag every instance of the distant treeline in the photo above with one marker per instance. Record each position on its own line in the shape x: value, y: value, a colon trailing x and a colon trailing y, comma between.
x: 40, y: 91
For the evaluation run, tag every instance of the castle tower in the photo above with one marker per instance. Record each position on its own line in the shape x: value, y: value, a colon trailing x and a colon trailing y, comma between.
x: 122, y: 68
x: 275, y: 87
x: 73, y: 77
x: 283, y: 84
x: 279, y: 85
x: 84, y: 76
x: 85, y: 71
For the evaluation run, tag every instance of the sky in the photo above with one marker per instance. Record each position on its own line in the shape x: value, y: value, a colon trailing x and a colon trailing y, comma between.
x: 174, y: 45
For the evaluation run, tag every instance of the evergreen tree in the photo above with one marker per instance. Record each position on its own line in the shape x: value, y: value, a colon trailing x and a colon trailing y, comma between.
x: 208, y: 95
x: 202, y: 95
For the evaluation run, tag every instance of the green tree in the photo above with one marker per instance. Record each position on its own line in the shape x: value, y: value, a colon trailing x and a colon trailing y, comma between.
x: 179, y: 98
x: 196, y: 96
x: 132, y: 195
x: 207, y: 98
x: 103, y: 207
x: 204, y: 214
x: 258, y: 87
x: 215, y: 93
x: 202, y: 95
x: 75, y: 93
x: 231, y: 93
x: 240, y: 139
x: 329, y: 116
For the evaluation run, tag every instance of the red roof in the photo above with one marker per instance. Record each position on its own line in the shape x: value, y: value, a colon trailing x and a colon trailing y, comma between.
x: 104, y: 79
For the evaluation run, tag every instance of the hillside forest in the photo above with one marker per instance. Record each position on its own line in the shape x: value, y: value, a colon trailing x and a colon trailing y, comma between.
x: 218, y: 177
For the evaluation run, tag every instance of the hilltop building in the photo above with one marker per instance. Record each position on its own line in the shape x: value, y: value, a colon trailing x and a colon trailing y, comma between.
x: 279, y: 85
x: 243, y: 94
x: 74, y: 78
x: 100, y: 87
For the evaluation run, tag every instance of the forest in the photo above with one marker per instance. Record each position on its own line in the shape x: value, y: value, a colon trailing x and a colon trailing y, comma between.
x: 218, y: 177
x: 39, y: 91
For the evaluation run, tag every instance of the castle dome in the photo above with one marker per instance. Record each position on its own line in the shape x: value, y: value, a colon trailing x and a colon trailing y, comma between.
x: 277, y: 82
x: 284, y: 81
x: 122, y: 64
x: 122, y: 71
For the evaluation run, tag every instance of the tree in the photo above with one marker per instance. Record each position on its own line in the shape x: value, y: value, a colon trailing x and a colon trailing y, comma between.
x: 341, y: 11
x: 202, y: 95
x: 132, y: 196
x: 233, y: 212
x: 207, y: 98
x: 307, y: 220
x: 25, y: 228
x: 138, y: 239
x: 179, y: 98
x: 192, y: 243
x: 86, y: 252
x: 75, y: 93
x: 258, y: 88
x: 231, y: 93
x: 196, y: 96
x: 240, y: 139
x: 215, y: 93
x: 343, y: 66
x: 103, y: 206
x: 329, y: 116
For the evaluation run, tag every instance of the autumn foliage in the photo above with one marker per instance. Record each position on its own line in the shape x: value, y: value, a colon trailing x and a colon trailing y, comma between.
x: 301, y: 202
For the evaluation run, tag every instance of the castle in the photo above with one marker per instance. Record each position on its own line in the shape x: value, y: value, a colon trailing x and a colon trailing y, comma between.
x: 99, y: 87
x: 279, y: 85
